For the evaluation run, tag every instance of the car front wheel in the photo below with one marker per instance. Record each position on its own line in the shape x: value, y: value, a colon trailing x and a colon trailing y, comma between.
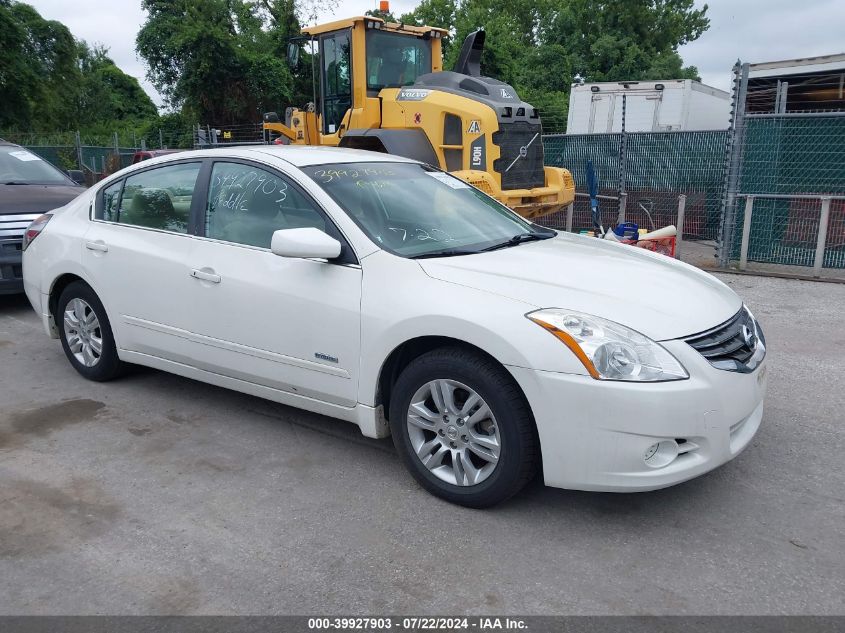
x: 463, y: 427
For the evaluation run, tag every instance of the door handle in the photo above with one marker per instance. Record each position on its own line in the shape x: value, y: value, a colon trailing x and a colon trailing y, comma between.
x: 203, y: 275
x: 98, y: 245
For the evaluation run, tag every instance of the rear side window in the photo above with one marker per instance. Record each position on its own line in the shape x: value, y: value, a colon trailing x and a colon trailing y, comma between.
x: 247, y: 204
x: 157, y: 199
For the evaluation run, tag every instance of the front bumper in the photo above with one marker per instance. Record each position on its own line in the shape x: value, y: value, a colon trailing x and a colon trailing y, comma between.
x: 11, y: 275
x: 558, y: 191
x: 595, y: 435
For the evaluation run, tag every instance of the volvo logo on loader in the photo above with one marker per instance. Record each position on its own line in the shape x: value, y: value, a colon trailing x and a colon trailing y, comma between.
x: 412, y: 94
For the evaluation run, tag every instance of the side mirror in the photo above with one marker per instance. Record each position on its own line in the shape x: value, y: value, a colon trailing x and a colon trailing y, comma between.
x: 76, y: 176
x: 304, y: 243
x: 293, y: 55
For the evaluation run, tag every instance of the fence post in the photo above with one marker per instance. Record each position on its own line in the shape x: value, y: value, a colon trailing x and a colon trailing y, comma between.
x: 820, y: 242
x: 569, y: 211
x: 77, y: 141
x: 623, y: 205
x: 746, y: 233
x: 623, y: 159
x: 734, y: 162
x: 682, y: 205
x: 160, y: 139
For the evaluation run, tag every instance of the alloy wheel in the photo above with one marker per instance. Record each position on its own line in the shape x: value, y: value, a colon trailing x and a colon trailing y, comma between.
x: 453, y: 432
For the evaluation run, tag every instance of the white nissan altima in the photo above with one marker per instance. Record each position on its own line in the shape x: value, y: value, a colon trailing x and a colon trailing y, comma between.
x: 392, y: 295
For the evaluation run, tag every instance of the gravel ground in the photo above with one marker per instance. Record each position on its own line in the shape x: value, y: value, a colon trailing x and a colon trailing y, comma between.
x: 159, y: 495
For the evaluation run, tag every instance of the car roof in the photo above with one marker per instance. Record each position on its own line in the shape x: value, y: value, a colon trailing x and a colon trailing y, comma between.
x: 297, y: 155
x: 304, y: 155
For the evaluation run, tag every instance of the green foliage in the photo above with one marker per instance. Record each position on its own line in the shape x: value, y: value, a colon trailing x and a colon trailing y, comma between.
x: 106, y: 93
x: 629, y: 39
x: 219, y: 60
x: 50, y: 81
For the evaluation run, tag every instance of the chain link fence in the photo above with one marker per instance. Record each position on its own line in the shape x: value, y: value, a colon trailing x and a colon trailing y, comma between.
x: 72, y: 150
x: 785, y: 191
x: 94, y: 161
x: 206, y: 136
x: 649, y: 171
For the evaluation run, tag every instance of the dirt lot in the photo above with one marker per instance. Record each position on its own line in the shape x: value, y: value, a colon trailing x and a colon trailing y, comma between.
x: 155, y: 494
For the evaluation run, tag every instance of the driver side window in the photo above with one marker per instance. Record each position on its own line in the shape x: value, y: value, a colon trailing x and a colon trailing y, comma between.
x: 247, y: 204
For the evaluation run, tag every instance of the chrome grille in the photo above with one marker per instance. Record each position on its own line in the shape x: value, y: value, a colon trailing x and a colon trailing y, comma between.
x: 13, y: 226
x: 521, y: 150
x: 736, y: 345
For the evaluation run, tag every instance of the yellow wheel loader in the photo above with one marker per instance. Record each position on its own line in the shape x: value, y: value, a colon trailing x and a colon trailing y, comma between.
x: 382, y: 87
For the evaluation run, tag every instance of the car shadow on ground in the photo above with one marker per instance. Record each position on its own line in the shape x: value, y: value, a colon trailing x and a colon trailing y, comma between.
x: 616, y: 511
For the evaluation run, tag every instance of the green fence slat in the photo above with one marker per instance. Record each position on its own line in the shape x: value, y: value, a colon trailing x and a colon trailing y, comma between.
x: 792, y: 155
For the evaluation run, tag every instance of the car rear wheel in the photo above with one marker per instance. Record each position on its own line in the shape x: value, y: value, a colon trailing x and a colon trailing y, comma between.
x: 86, y: 334
x: 463, y: 427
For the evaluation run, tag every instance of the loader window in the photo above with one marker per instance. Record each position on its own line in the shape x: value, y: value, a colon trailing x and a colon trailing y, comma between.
x: 337, y: 70
x: 395, y: 60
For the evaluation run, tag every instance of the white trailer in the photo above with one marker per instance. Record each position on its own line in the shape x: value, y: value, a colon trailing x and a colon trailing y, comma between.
x: 650, y: 106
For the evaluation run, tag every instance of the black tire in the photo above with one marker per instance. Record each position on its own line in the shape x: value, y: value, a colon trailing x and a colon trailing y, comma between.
x: 108, y: 366
x: 519, y: 452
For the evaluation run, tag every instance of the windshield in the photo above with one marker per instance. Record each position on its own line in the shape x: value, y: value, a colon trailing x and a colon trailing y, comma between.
x: 20, y: 166
x: 415, y: 211
x: 395, y: 60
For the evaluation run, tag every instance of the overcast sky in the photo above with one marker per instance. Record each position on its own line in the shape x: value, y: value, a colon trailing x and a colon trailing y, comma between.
x: 751, y: 30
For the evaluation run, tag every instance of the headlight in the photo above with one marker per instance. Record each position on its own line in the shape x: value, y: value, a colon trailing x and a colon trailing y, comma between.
x: 608, y: 350
x: 757, y: 329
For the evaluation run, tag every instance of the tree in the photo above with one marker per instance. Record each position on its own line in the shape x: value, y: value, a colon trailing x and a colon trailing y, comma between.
x: 17, y: 77
x: 219, y: 60
x: 49, y: 80
x: 615, y: 40
x: 106, y: 93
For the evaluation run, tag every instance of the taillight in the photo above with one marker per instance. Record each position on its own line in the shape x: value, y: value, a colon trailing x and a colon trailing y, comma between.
x: 34, y: 229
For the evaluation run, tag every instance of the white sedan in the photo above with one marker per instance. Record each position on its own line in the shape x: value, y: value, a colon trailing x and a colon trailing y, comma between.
x: 392, y: 295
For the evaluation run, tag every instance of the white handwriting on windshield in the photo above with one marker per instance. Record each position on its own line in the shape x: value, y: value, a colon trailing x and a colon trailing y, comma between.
x: 330, y: 175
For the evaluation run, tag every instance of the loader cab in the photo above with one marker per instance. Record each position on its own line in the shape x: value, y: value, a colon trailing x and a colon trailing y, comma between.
x: 360, y: 57
x: 395, y: 59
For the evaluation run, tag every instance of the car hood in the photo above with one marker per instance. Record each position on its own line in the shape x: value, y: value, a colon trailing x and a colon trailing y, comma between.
x: 35, y: 198
x: 653, y: 294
